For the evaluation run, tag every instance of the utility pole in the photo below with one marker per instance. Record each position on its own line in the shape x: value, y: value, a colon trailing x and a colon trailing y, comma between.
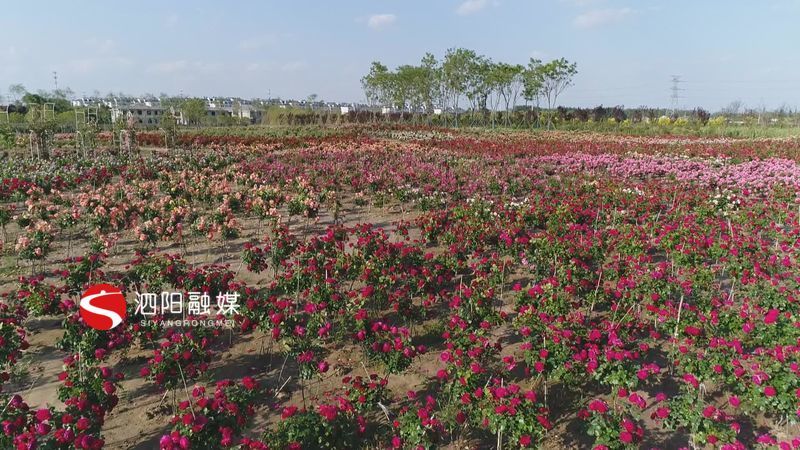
x: 676, y: 90
x: 55, y: 79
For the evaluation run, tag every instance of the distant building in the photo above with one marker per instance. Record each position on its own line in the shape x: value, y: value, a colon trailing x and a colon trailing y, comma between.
x: 244, y: 111
x: 142, y: 113
x: 94, y: 102
x: 218, y: 111
x: 150, y: 113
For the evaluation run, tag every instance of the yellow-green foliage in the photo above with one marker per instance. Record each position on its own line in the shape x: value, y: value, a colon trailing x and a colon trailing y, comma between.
x: 664, y: 121
x: 717, y: 121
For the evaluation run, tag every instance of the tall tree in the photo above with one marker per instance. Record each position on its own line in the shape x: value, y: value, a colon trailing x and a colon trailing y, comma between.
x: 507, y: 80
x: 464, y: 74
x: 60, y: 104
x: 480, y: 82
x: 400, y: 87
x: 17, y: 91
x: 376, y: 84
x: 532, y: 83
x: 431, y: 78
x: 457, y: 66
x: 420, y: 90
x: 556, y: 76
x: 194, y: 110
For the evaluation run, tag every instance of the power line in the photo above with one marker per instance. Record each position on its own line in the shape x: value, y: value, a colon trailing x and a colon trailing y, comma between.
x: 676, y: 90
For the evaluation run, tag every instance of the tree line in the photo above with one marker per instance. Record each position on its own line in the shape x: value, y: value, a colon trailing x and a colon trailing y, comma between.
x: 465, y: 76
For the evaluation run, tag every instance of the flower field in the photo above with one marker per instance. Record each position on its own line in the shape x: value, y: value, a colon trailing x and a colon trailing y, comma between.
x: 407, y: 288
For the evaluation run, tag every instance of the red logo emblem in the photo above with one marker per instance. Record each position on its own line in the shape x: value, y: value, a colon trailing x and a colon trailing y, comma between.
x: 103, y: 306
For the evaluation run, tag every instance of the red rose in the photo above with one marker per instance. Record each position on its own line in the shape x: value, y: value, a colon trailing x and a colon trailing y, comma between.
x: 771, y: 316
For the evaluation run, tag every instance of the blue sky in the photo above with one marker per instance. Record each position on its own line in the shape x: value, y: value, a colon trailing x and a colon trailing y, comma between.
x: 626, y: 50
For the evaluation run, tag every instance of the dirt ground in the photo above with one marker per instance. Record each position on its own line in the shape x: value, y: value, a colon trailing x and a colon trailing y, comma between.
x: 142, y: 415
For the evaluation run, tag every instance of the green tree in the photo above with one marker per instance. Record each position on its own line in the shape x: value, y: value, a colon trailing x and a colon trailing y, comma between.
x: 480, y: 83
x: 431, y: 78
x: 18, y: 91
x: 168, y: 102
x: 104, y: 115
x: 58, y: 99
x: 532, y: 84
x: 194, y: 110
x: 532, y: 81
x: 169, y: 125
x: 42, y: 124
x: 507, y: 81
x: 464, y: 74
x: 407, y: 87
x: 34, y: 99
x: 512, y: 84
x: 65, y: 120
x: 457, y: 67
x: 376, y: 84
x: 556, y: 76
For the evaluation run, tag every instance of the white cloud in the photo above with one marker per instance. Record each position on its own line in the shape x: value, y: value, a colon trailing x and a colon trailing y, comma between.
x: 471, y: 6
x: 599, y: 17
x: 378, y: 21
